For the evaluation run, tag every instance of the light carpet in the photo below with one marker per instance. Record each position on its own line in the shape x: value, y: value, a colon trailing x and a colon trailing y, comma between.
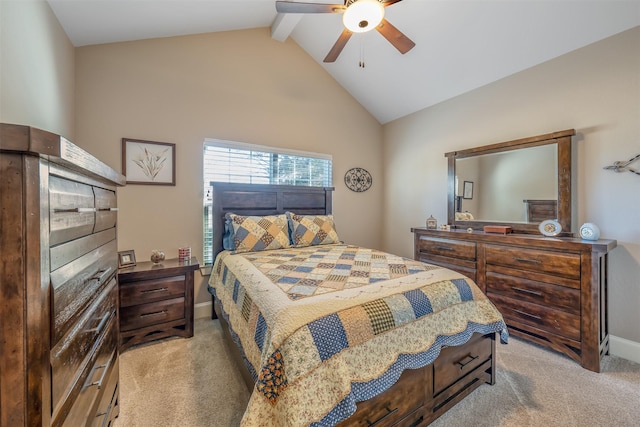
x: 193, y: 382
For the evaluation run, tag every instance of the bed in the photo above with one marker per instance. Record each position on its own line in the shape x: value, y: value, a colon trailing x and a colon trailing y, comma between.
x: 328, y: 333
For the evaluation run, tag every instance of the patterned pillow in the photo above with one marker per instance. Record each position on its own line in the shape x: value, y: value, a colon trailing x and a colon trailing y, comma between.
x: 310, y: 230
x: 259, y: 233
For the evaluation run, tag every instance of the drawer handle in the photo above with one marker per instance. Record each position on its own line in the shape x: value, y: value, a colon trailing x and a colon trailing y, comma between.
x: 150, y: 291
x: 78, y: 210
x: 104, y: 319
x: 155, y: 313
x: 527, y: 291
x: 444, y: 248
x: 389, y: 412
x: 464, y: 364
x: 105, y: 369
x: 99, y: 275
x: 528, y: 314
x: 530, y: 261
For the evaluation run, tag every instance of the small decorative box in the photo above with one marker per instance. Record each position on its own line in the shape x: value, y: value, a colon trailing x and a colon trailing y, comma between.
x: 499, y: 229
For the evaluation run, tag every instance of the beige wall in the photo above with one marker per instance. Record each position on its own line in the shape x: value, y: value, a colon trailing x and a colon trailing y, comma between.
x: 239, y: 86
x: 247, y: 87
x: 37, y: 74
x: 595, y: 90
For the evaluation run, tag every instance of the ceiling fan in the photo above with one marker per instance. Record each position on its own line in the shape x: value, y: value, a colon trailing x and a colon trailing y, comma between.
x: 359, y: 16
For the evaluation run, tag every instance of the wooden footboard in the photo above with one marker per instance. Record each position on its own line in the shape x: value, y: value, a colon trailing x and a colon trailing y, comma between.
x: 420, y: 395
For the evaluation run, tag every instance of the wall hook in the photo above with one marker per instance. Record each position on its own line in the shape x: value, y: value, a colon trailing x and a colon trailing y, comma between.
x: 624, y: 166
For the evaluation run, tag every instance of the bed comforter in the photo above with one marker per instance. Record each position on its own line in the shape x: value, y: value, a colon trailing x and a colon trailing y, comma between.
x: 324, y: 327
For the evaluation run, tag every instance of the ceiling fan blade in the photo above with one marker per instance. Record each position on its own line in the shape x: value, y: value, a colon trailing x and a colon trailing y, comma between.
x: 338, y: 46
x: 297, y: 7
x: 390, y: 2
x: 395, y: 37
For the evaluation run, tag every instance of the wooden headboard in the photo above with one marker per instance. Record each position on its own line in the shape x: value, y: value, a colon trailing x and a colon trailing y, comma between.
x: 264, y: 199
x: 540, y: 210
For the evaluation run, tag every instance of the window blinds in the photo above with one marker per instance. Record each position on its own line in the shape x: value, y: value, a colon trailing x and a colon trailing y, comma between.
x: 227, y: 161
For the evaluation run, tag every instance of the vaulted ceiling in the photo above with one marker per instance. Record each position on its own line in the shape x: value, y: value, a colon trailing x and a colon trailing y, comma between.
x: 460, y: 44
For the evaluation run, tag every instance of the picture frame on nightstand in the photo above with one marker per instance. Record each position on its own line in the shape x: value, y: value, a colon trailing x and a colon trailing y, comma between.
x: 126, y: 259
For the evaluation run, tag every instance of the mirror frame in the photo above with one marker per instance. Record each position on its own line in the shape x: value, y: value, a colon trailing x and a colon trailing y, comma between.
x: 563, y: 141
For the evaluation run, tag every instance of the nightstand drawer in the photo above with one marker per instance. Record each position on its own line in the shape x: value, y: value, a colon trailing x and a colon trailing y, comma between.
x: 145, y: 291
x: 139, y: 316
x: 557, y: 263
x: 446, y: 247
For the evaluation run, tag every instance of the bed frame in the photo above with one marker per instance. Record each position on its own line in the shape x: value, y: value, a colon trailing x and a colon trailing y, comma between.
x: 420, y: 395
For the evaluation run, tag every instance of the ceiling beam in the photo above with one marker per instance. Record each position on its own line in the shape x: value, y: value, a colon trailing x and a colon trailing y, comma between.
x: 284, y: 24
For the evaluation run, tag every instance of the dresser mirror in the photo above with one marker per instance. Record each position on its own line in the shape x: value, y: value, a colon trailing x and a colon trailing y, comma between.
x: 516, y: 183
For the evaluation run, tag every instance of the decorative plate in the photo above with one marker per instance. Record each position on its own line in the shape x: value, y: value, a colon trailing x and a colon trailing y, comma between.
x: 358, y: 180
x: 589, y: 231
x: 550, y: 227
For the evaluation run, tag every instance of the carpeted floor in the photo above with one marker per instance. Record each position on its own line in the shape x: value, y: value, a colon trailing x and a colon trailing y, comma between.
x: 192, y: 382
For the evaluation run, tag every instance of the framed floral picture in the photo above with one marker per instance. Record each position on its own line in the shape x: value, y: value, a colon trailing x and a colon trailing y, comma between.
x: 148, y: 162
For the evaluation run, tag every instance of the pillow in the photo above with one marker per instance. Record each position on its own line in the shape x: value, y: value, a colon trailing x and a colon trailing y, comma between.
x: 310, y: 230
x: 258, y: 233
x: 227, y: 238
x: 464, y: 216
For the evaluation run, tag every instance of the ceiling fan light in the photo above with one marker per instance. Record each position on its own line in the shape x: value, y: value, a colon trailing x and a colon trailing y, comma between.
x: 363, y: 16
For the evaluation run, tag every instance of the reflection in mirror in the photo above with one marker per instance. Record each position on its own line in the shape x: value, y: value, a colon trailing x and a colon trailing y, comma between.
x: 502, y: 183
x: 515, y: 183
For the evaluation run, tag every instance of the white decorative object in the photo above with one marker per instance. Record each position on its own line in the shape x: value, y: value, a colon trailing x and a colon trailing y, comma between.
x: 589, y: 231
x: 432, y: 223
x: 550, y: 227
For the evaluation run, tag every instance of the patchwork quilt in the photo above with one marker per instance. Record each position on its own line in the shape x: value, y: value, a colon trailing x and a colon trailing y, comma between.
x: 323, y: 327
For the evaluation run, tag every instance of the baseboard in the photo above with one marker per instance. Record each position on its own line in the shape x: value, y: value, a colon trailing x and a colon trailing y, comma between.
x: 624, y: 348
x: 202, y: 310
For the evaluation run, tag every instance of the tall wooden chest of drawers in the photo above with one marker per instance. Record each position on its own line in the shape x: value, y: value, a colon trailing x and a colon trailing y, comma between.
x: 552, y: 291
x: 58, y: 292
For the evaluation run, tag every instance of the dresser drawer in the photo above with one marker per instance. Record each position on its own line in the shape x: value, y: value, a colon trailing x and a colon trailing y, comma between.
x: 547, y: 319
x: 72, y: 210
x: 139, y: 316
x: 456, y: 362
x: 97, y: 370
x: 76, y: 284
x: 106, y: 209
x: 557, y: 263
x: 526, y: 286
x: 468, y: 268
x: 394, y: 405
x: 144, y: 291
x: 446, y: 247
x: 70, y: 355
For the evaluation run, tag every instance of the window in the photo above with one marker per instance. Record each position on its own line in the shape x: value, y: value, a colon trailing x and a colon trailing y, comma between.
x: 226, y: 161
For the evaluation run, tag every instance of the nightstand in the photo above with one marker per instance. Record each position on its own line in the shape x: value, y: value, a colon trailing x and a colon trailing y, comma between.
x: 156, y: 301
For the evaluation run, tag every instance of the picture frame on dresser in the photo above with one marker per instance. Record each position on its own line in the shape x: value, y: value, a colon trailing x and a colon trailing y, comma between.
x: 126, y: 258
x: 148, y: 162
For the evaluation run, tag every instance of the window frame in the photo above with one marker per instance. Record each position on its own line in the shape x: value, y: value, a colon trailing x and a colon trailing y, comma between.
x: 207, y: 232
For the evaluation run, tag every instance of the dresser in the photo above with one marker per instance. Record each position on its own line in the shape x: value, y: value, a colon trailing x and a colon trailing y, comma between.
x: 550, y: 290
x: 156, y: 301
x: 58, y: 291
